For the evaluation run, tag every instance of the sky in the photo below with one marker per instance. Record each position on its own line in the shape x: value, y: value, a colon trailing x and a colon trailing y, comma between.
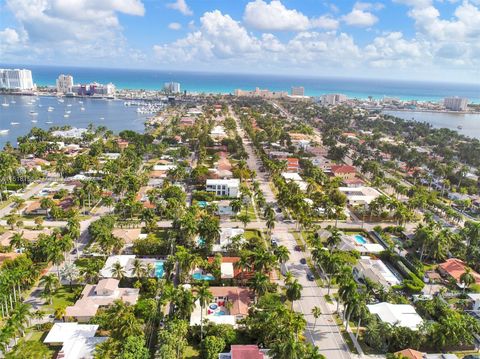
x: 433, y: 40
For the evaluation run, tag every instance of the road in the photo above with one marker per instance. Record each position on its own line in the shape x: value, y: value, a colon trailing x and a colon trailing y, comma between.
x: 326, y: 335
x: 32, y: 189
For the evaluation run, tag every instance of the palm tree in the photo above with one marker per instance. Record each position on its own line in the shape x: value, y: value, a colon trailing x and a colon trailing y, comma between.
x: 467, y: 278
x: 70, y: 272
x: 282, y: 253
x: 117, y: 271
x: 244, y: 218
x: 294, y: 291
x: 316, y: 312
x: 18, y: 241
x: 50, y: 283
x: 236, y: 205
x: 204, y: 296
x: 260, y: 283
x: 138, y: 268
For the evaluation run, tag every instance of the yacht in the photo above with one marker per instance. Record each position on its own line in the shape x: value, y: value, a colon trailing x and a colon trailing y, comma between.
x: 14, y: 123
x: 4, y: 132
x: 69, y: 105
x: 102, y: 118
x: 50, y: 108
x: 33, y: 113
x: 5, y: 104
x: 82, y: 108
x: 68, y: 112
x: 34, y: 121
x: 66, y: 115
x: 80, y: 102
x: 49, y: 122
x: 61, y: 100
x: 13, y: 101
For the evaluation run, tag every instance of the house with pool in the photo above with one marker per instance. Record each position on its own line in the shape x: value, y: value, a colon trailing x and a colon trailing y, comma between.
x: 229, y: 305
x: 377, y: 271
x: 228, y: 270
x: 154, y: 265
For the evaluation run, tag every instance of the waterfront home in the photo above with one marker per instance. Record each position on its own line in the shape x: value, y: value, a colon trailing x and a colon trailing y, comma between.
x: 96, y: 296
x: 454, y: 268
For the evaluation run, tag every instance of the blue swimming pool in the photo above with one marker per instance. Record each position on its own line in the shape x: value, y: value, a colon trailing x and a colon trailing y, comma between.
x: 360, y: 239
x: 202, y: 204
x: 200, y: 276
x: 159, y: 269
x: 200, y: 241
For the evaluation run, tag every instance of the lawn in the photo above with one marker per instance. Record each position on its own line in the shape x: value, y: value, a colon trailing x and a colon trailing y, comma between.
x: 252, y: 233
x: 63, y: 297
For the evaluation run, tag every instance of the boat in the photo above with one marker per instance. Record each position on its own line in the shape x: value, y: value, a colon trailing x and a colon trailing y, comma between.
x: 61, y: 100
x: 82, y: 108
x: 33, y: 113
x: 80, y: 101
x: 49, y: 122
x: 66, y: 115
x: 69, y: 105
x: 13, y: 101
x: 34, y: 121
x: 14, y: 123
x: 40, y: 105
x: 5, y: 104
x: 50, y: 108
x: 4, y: 132
x: 460, y: 127
x: 102, y: 118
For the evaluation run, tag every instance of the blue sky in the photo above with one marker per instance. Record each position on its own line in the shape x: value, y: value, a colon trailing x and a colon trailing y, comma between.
x: 400, y: 39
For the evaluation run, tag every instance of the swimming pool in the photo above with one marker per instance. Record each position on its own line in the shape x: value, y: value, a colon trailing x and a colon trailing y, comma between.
x: 159, y: 269
x: 200, y: 276
x: 200, y: 241
x: 360, y: 239
x: 202, y: 204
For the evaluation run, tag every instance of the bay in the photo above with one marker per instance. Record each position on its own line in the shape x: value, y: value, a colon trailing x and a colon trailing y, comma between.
x: 110, y: 113
x: 469, y: 123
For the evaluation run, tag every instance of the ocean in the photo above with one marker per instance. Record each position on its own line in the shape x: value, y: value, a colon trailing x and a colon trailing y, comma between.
x: 227, y: 83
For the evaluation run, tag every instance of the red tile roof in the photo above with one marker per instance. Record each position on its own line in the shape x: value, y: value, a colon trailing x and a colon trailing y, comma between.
x: 343, y: 169
x: 455, y: 268
x: 246, y: 352
x: 410, y: 354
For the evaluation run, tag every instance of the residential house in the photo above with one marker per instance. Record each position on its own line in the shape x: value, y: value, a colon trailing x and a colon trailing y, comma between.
x: 62, y: 332
x: 225, y: 208
x: 244, y: 352
x: 224, y: 187
x: 360, y: 196
x: 345, y: 172
x: 293, y: 164
x: 226, y: 235
x: 375, y: 270
x: 403, y: 315
x: 102, y: 294
x: 454, y: 268
x: 296, y: 178
x: 229, y: 269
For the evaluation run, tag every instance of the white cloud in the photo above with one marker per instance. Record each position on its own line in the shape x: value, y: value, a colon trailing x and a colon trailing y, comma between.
x: 274, y: 16
x: 181, y: 5
x: 9, y: 36
x: 62, y: 28
x: 360, y: 18
x: 174, y: 26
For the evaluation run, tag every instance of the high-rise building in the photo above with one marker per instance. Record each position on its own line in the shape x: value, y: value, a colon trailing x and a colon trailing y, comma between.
x: 16, y: 79
x: 171, y: 87
x: 64, y: 83
x: 455, y: 103
x: 298, y: 91
x: 333, y: 99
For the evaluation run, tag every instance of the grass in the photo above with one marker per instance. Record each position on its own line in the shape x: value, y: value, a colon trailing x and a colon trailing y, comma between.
x: 63, y: 297
x: 345, y: 334
x: 252, y: 233
x: 192, y: 353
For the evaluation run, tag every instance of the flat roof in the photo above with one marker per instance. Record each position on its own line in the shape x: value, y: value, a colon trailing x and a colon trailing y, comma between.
x: 62, y: 332
x: 403, y: 315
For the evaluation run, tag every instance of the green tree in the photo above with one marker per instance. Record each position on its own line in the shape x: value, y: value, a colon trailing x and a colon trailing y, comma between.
x: 212, y: 346
x: 204, y: 296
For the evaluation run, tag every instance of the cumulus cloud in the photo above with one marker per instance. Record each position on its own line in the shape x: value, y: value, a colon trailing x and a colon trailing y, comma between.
x: 274, y: 16
x: 9, y: 36
x: 174, y: 26
x: 360, y: 15
x: 64, y: 27
x: 181, y: 5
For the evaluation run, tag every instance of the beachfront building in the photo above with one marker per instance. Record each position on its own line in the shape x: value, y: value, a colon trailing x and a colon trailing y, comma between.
x: 229, y: 305
x: 402, y: 315
x: 298, y: 91
x: 455, y: 103
x: 171, y: 87
x: 101, y: 295
x: 16, y: 79
x: 333, y: 99
x: 261, y: 93
x: 64, y: 83
x: 224, y: 187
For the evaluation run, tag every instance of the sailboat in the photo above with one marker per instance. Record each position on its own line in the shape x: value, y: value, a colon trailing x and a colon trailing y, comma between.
x: 5, y: 104
x: 4, y: 132
x: 14, y: 123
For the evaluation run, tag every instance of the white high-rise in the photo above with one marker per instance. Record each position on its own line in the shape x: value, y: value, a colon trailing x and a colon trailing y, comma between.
x: 298, y: 91
x: 333, y: 99
x: 455, y: 103
x: 171, y: 87
x: 16, y: 79
x: 64, y: 83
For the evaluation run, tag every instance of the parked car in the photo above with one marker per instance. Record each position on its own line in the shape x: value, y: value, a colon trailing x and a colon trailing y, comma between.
x: 310, y: 277
x: 303, y: 261
x: 274, y: 243
x: 299, y: 248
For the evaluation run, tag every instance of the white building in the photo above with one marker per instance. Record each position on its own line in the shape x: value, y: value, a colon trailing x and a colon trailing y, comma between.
x: 226, y: 235
x: 16, y: 79
x: 375, y: 270
x: 359, y: 196
x: 261, y: 93
x: 171, y: 87
x: 333, y: 99
x: 455, y: 103
x: 224, y: 187
x: 403, y: 315
x: 298, y: 91
x: 64, y: 83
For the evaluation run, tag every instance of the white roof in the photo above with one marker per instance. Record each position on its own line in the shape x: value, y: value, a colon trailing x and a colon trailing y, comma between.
x: 227, y: 270
x: 403, y: 315
x: 106, y: 271
x: 62, y: 332
x: 373, y: 247
x: 81, y: 348
x: 229, y: 182
x: 376, y: 270
x: 293, y: 176
x: 164, y: 167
